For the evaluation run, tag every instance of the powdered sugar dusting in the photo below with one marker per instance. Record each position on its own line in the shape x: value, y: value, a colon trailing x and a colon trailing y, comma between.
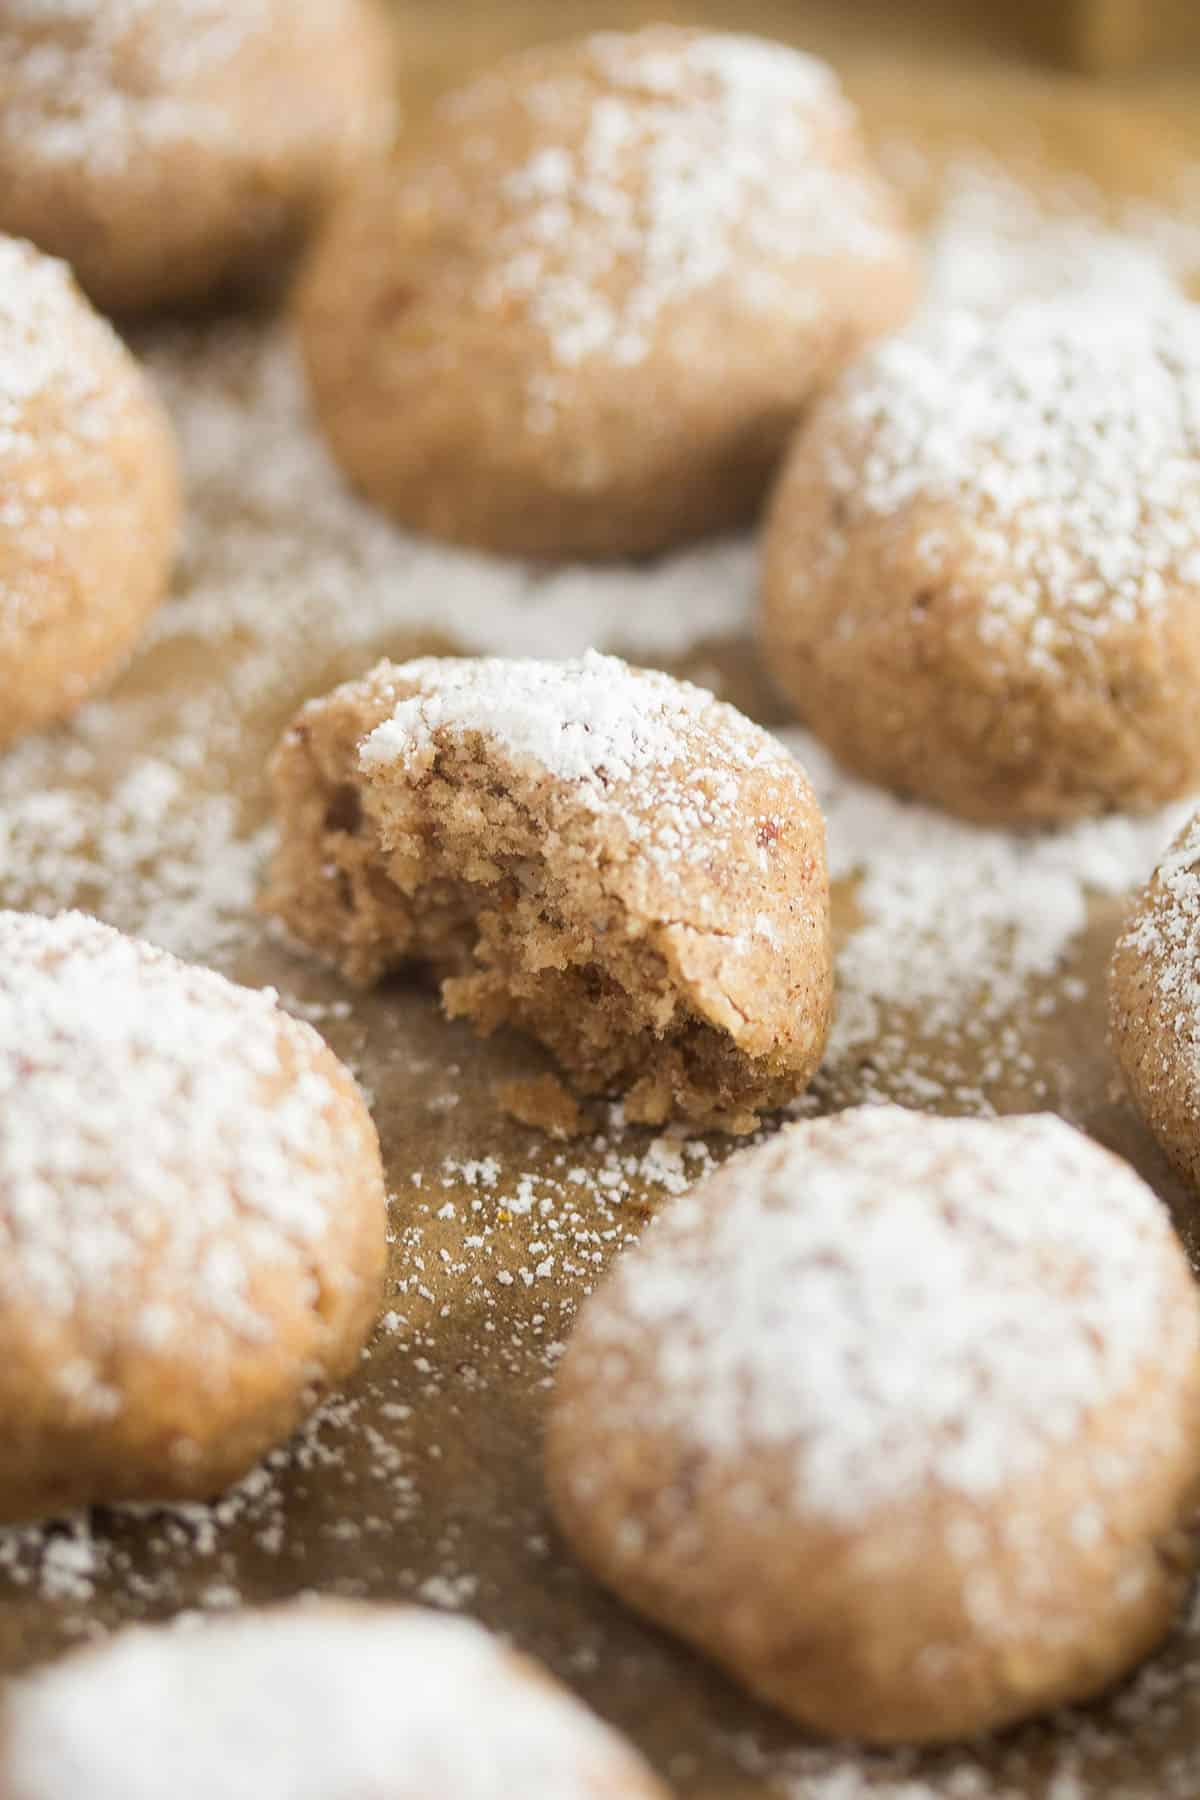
x: 137, y: 1127
x: 48, y: 336
x: 673, y: 160
x: 660, y: 755
x: 96, y: 83
x: 1063, y: 435
x: 897, y: 1302
x: 1166, y: 935
x: 593, y: 720
x: 310, y: 1703
x: 955, y: 923
x: 147, y: 808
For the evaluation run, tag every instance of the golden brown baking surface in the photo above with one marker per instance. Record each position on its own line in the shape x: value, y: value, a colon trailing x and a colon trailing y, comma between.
x: 424, y: 1480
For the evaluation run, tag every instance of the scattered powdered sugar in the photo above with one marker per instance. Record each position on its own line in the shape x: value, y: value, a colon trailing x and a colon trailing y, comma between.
x: 1063, y: 435
x: 149, y: 809
x: 308, y: 1703
x: 955, y: 922
x: 136, y: 1131
x: 671, y: 160
x: 895, y: 1302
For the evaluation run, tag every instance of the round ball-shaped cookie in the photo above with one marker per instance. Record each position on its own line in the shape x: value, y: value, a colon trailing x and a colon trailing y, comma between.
x: 581, y: 317
x: 1154, y: 1003
x: 89, y: 495
x: 598, y: 855
x: 896, y: 1417
x: 982, y: 563
x: 191, y: 1214
x: 167, y: 148
x: 319, y: 1701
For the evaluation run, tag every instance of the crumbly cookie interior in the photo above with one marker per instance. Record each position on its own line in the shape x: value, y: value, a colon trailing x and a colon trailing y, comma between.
x: 455, y: 871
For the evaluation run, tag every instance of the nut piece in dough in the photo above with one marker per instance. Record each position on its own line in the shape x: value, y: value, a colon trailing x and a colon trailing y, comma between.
x: 982, y: 566
x: 581, y: 317
x: 167, y: 148
x: 313, y: 1701
x: 1154, y: 1003
x: 192, y: 1214
x: 896, y: 1417
x: 89, y: 495
x: 601, y: 856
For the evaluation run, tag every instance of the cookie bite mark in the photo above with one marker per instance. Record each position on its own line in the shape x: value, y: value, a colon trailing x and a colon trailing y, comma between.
x: 192, y: 1221
x: 576, y: 849
x: 898, y: 1418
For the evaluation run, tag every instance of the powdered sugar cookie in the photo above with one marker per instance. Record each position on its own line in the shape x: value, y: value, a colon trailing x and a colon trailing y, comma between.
x: 89, y: 498
x: 897, y: 1417
x: 192, y: 1220
x: 168, y: 147
x: 1154, y: 1003
x: 599, y: 855
x: 324, y: 1701
x: 983, y: 561
x: 582, y: 316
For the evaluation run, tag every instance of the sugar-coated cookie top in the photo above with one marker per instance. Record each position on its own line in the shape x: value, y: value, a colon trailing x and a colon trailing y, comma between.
x: 99, y: 83
x: 1165, y: 934
x: 164, y: 1135
x: 899, y: 1304
x: 308, y: 1703
x: 1064, y: 435
x: 664, y: 161
x: 662, y: 756
x: 51, y: 344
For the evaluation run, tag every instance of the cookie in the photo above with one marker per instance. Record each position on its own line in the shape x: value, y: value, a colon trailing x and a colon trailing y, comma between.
x: 580, y: 317
x: 312, y: 1701
x: 599, y: 855
x: 89, y: 495
x: 896, y: 1417
x: 1154, y: 1003
x: 169, y: 148
x: 192, y: 1220
x: 982, y: 564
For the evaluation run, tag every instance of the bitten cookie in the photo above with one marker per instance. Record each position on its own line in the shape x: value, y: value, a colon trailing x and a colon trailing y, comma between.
x: 89, y: 495
x: 321, y: 1701
x: 1154, y: 1003
x: 167, y: 148
x: 982, y: 564
x: 599, y: 855
x: 191, y: 1214
x: 581, y: 316
x: 898, y: 1418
